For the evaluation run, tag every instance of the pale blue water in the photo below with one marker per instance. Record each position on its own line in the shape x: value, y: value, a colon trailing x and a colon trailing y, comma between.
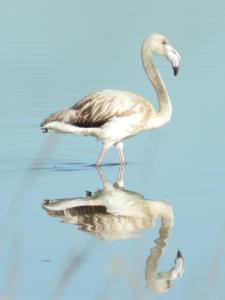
x: 53, y: 53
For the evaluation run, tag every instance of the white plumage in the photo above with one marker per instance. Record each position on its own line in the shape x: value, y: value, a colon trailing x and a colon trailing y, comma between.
x: 112, y: 115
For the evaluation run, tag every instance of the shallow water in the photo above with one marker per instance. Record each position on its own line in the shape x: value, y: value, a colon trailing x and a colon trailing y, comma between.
x: 52, y: 54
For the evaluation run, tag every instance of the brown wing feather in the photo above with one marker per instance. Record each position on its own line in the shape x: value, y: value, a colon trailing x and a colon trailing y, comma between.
x: 98, y: 108
x: 85, y: 111
x: 58, y: 116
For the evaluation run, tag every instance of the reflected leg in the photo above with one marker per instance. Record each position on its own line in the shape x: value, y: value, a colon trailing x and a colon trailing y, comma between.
x: 119, y: 148
x: 102, y: 175
x: 120, y: 178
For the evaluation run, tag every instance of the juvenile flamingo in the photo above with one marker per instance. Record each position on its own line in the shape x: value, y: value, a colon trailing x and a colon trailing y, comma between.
x: 113, y: 115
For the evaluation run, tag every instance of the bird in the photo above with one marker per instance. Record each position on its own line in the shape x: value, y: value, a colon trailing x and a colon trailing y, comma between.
x: 115, y: 213
x: 115, y: 115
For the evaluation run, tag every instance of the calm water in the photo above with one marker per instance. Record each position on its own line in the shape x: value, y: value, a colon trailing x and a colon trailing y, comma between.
x: 54, y: 52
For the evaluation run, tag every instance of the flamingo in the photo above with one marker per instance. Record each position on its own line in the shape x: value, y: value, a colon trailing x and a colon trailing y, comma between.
x: 113, y: 115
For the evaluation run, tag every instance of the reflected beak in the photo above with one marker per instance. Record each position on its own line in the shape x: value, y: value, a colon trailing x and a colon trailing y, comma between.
x: 174, y: 57
x: 178, y: 268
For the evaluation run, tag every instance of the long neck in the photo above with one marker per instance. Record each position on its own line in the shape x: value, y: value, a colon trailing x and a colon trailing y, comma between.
x: 165, y: 107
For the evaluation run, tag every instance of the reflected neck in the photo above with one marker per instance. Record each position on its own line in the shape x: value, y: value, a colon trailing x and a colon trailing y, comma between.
x: 164, y: 211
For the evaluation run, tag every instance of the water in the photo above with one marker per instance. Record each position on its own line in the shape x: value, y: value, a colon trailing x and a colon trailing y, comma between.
x: 53, y: 53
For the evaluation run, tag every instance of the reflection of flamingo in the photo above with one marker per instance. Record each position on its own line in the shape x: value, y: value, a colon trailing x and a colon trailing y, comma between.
x: 112, y: 115
x: 114, y: 213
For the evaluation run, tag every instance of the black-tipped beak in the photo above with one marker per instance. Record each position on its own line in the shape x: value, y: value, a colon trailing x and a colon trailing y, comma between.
x: 175, y: 70
x: 174, y: 57
x: 179, y: 254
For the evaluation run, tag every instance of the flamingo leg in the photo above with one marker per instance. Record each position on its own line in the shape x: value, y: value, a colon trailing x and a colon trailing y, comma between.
x: 105, y: 149
x: 119, y: 148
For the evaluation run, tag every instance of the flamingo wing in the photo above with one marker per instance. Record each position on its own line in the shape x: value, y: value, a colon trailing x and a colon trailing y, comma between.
x: 98, y: 108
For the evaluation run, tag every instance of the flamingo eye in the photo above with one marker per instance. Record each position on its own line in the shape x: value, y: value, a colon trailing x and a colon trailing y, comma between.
x: 164, y: 42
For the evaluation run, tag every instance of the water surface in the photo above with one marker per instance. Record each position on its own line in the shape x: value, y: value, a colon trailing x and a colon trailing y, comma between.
x: 52, y: 54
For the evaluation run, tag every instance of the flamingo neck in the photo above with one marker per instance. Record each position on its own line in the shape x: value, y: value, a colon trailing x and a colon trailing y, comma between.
x: 165, y: 108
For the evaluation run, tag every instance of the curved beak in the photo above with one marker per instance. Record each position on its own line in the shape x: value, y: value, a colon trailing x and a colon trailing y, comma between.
x: 174, y: 57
